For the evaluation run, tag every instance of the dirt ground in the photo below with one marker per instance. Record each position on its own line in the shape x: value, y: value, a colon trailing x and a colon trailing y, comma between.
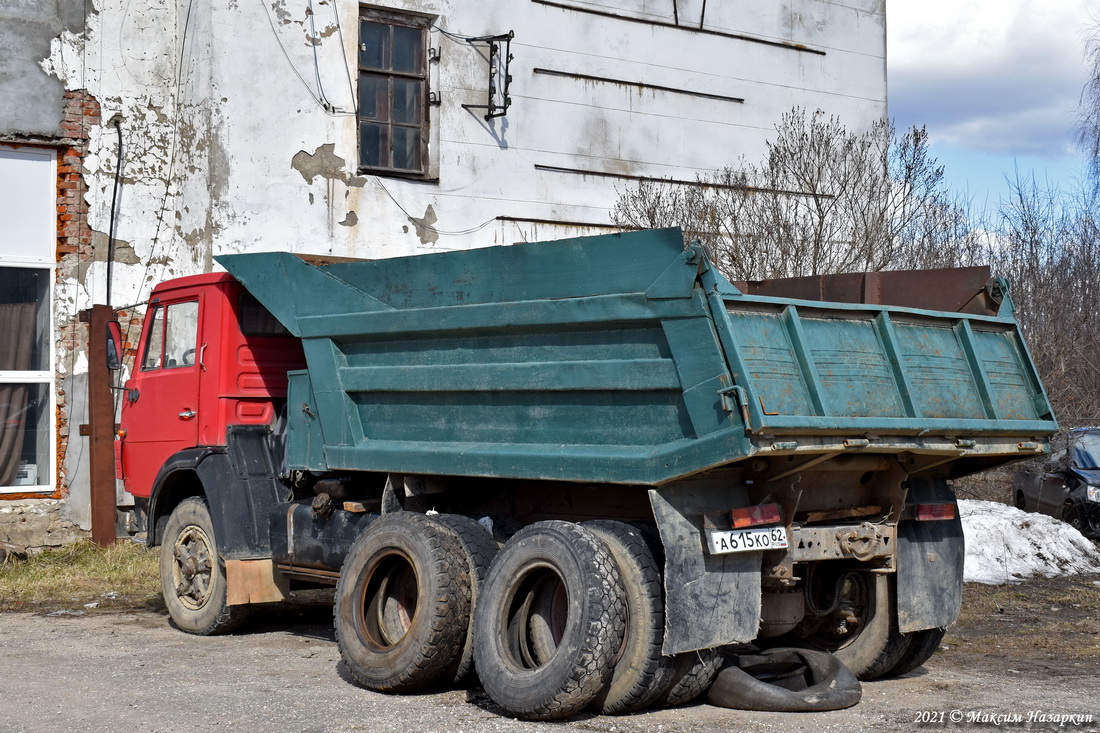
x: 1024, y: 657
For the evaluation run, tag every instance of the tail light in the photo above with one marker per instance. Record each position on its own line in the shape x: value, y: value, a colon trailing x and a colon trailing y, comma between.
x: 753, y: 516
x: 935, y: 512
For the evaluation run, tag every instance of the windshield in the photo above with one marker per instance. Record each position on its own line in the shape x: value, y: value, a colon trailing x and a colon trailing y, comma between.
x: 1086, y: 450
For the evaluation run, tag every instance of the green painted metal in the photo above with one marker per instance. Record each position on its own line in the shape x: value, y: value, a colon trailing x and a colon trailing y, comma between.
x: 626, y: 359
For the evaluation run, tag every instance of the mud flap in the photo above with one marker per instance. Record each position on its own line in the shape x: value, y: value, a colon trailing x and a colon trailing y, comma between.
x: 930, y: 563
x: 786, y: 681
x: 254, y: 581
x: 710, y: 600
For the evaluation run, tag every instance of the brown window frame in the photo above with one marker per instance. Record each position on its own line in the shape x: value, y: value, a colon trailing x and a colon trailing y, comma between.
x: 388, y: 121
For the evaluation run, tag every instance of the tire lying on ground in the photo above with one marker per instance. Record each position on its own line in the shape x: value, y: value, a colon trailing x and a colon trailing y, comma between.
x: 192, y: 575
x: 402, y: 603
x: 479, y: 549
x: 641, y: 672
x: 549, y: 621
x: 786, y: 680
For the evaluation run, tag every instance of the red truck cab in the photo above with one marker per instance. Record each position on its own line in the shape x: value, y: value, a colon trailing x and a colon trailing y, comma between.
x: 209, y: 356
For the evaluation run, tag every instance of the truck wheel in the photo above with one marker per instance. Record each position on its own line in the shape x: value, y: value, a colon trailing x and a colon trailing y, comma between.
x: 920, y: 648
x: 639, y: 664
x: 693, y: 675
x: 1021, y: 502
x: 549, y: 621
x: 192, y: 575
x: 479, y: 549
x: 871, y: 645
x: 402, y: 603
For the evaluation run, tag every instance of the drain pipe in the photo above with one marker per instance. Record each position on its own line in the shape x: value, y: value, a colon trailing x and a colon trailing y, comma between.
x: 117, y: 122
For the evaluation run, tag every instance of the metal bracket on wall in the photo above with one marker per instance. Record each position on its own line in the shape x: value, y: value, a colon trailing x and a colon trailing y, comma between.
x: 500, y: 56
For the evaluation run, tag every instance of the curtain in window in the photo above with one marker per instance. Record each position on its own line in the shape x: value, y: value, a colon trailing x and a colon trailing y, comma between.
x: 16, y: 340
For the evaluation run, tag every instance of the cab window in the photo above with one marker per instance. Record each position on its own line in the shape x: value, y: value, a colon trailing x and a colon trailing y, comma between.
x: 173, y: 336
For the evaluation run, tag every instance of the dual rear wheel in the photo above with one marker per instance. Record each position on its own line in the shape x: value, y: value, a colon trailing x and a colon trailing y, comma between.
x: 567, y: 616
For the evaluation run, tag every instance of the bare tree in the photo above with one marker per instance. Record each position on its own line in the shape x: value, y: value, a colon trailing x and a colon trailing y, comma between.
x: 1048, y: 245
x: 824, y: 199
x: 1088, y: 129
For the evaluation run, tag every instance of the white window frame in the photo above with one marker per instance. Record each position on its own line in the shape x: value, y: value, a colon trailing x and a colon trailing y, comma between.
x: 47, y: 484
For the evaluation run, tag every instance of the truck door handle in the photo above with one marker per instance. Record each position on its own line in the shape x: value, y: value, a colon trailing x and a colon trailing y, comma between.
x: 188, y: 414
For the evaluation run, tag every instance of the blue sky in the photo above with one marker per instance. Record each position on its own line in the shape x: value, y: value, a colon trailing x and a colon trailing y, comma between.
x: 996, y: 82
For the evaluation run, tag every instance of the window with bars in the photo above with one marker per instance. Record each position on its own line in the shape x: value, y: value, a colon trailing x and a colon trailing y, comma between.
x: 393, y: 92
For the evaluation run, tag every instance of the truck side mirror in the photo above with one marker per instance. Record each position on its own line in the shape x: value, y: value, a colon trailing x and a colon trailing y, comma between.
x: 114, y: 346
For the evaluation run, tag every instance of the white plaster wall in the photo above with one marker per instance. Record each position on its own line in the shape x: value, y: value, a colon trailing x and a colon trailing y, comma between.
x: 216, y: 100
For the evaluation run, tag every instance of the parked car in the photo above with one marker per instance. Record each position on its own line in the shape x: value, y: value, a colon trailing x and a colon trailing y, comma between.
x: 1069, y: 486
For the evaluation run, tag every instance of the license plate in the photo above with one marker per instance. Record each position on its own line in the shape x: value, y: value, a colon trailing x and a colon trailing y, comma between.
x: 746, y: 540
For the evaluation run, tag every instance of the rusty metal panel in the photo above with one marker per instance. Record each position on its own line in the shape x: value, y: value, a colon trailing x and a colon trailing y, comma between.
x: 958, y: 289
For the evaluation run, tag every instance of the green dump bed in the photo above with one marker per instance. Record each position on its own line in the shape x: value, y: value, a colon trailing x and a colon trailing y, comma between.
x: 628, y: 359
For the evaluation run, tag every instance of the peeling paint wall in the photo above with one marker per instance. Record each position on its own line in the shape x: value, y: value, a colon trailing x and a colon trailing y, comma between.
x: 238, y: 127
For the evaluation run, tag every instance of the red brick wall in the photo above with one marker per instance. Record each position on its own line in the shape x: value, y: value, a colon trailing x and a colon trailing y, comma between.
x: 74, y: 240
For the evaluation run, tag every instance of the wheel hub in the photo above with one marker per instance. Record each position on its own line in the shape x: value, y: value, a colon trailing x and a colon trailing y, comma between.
x: 192, y: 569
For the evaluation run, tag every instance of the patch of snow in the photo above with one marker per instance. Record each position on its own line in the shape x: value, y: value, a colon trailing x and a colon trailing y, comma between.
x: 1006, y: 545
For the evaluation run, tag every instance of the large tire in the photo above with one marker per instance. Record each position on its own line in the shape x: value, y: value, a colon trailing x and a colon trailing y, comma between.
x: 192, y: 574
x: 874, y: 646
x: 920, y: 648
x: 639, y: 665
x: 479, y: 549
x: 402, y: 603
x: 693, y: 675
x: 549, y: 621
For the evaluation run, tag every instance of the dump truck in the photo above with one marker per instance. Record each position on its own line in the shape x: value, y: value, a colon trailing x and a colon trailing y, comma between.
x: 578, y: 468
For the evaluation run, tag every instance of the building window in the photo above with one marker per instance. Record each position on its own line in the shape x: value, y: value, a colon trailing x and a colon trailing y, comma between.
x: 28, y: 209
x: 393, y: 93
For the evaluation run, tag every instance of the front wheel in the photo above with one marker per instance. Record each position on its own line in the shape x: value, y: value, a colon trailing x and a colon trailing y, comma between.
x: 192, y: 575
x: 1077, y: 516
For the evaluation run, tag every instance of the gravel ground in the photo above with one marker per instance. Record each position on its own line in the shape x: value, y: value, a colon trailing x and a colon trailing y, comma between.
x: 132, y: 671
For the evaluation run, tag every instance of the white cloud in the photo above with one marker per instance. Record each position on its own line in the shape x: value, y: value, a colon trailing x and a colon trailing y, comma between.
x: 999, y: 76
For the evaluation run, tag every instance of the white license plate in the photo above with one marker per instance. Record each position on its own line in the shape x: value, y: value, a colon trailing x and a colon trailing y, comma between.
x: 746, y: 540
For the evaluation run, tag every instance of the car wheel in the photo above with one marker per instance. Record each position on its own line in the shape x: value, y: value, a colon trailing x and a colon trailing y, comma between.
x: 1075, y: 516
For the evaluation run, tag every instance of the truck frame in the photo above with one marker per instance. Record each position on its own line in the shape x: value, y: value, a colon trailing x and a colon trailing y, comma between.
x: 579, y: 466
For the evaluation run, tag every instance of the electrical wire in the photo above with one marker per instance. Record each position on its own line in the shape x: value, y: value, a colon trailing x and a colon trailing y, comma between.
x: 318, y: 98
x: 417, y: 222
x: 162, y: 211
x: 461, y: 38
x: 343, y: 51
